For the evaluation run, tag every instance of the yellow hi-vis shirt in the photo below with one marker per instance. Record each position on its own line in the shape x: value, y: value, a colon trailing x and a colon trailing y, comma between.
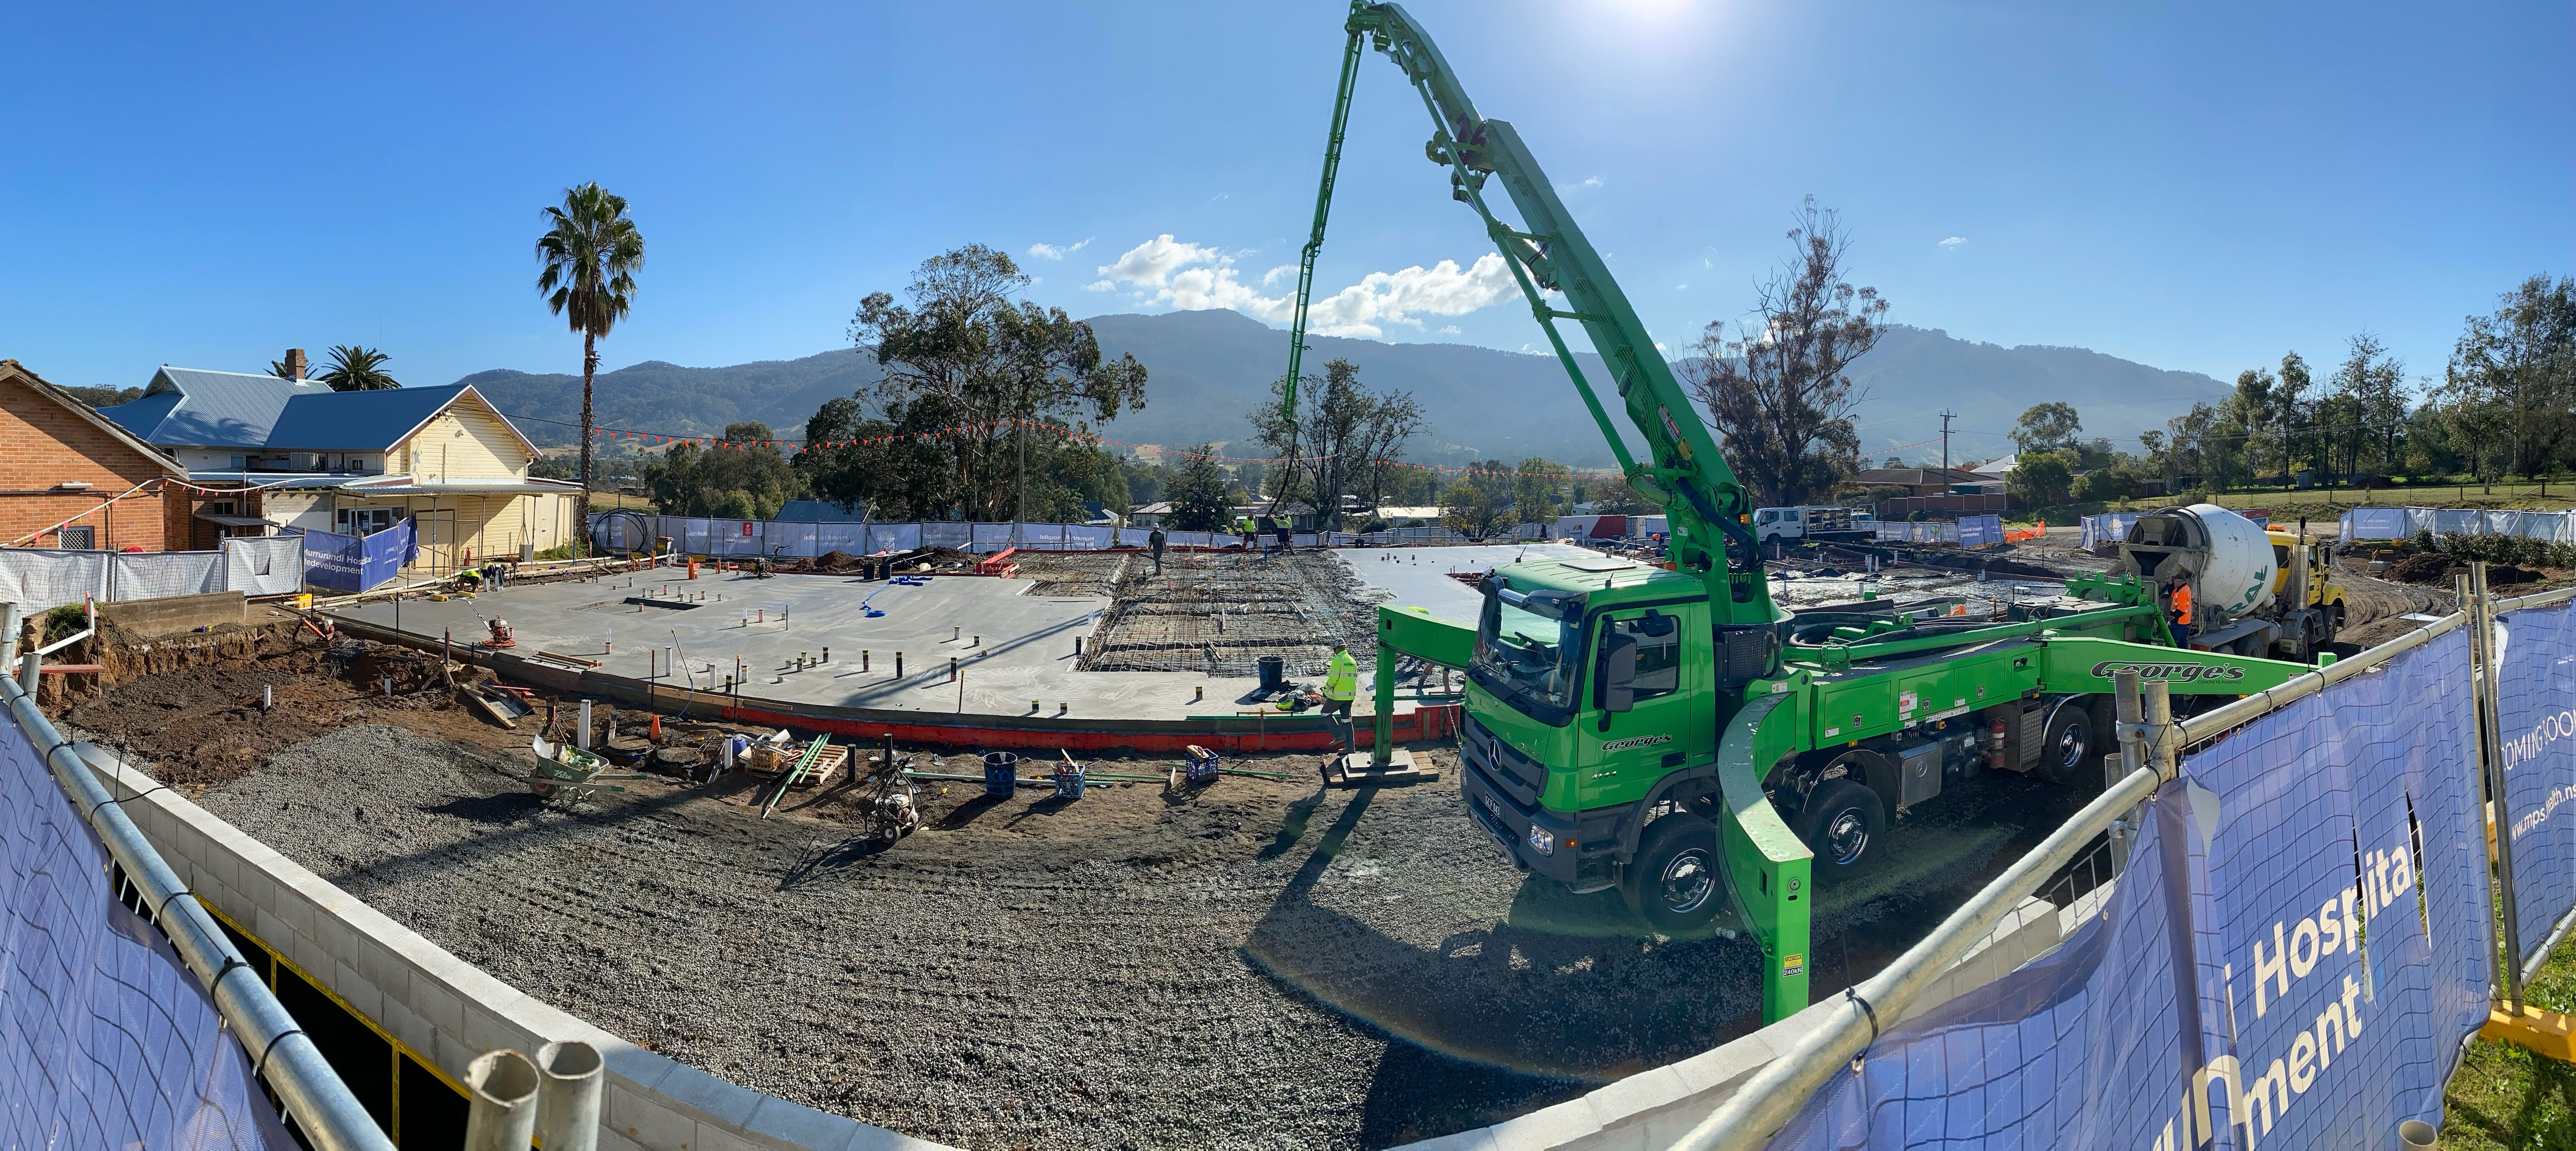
x: 1341, y: 676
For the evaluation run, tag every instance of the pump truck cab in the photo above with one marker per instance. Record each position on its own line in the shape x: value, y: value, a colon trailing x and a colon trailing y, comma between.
x: 1668, y: 730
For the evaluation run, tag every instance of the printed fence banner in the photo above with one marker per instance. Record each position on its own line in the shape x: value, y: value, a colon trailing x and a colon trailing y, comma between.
x: 2291, y: 957
x: 331, y: 560
x: 381, y: 556
x: 2375, y: 524
x: 2536, y: 727
x: 106, y: 1040
x: 1981, y: 531
x: 2106, y: 528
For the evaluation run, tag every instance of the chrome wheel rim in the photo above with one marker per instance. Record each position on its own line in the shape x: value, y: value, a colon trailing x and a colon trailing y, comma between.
x: 1686, y: 883
x: 1846, y: 836
x: 2070, y: 747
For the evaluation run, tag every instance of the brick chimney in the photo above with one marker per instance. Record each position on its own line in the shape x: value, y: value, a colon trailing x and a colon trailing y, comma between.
x: 295, y: 364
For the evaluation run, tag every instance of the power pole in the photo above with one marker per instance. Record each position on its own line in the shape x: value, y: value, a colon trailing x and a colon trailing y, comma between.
x: 1946, y: 417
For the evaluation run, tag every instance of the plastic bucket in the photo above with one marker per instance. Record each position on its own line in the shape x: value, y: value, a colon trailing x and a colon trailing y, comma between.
x: 1274, y: 672
x: 1001, y: 774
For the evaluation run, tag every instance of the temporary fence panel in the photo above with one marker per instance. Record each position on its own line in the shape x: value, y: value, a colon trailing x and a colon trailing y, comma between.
x: 106, y: 1039
x: 263, y: 565
x: 849, y: 538
x: 383, y: 554
x: 2536, y: 727
x: 1981, y: 531
x: 37, y: 579
x: 331, y: 560
x: 2261, y: 972
x: 2374, y: 524
x: 894, y: 537
x: 791, y: 540
x: 151, y: 575
x: 950, y: 534
x: 1138, y: 537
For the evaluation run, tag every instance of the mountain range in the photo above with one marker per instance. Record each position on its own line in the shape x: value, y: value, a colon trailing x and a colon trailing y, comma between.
x: 1208, y: 368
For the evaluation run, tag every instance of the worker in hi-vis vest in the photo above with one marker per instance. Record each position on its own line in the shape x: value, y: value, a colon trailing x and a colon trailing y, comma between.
x: 2181, y: 617
x: 1341, y: 685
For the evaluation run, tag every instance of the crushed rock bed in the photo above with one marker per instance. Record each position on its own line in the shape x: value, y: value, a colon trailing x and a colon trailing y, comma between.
x: 1252, y: 967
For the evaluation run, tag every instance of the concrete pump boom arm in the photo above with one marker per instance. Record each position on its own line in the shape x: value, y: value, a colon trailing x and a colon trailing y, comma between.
x: 1684, y: 470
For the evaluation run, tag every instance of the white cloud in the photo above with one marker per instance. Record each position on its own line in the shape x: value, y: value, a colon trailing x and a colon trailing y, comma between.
x: 1195, y: 277
x: 1681, y: 287
x: 1274, y: 275
x: 1448, y: 329
x: 1952, y: 244
x: 1590, y: 182
x: 1058, y: 252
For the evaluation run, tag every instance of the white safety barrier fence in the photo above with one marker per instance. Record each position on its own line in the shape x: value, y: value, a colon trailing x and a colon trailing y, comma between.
x: 37, y: 579
x: 798, y: 540
x: 1967, y: 531
x: 2297, y: 944
x: 2409, y: 522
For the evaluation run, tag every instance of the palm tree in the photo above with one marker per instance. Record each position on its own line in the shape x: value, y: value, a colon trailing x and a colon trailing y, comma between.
x: 590, y: 252
x: 356, y: 369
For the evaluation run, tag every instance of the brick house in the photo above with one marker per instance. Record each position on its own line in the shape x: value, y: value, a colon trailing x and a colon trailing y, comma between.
x: 62, y: 461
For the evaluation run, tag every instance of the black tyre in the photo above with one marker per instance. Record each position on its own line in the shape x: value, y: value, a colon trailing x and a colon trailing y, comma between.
x: 1674, y: 881
x: 1843, y: 823
x: 2068, y: 744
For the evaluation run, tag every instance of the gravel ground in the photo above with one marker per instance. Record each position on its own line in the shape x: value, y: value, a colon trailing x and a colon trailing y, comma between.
x: 1255, y: 966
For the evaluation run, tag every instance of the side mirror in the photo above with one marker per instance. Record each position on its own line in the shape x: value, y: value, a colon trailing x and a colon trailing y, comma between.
x: 1618, y: 679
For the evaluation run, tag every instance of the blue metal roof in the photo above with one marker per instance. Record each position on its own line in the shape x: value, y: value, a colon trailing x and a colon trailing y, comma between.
x: 211, y: 409
x: 190, y: 407
x: 339, y: 421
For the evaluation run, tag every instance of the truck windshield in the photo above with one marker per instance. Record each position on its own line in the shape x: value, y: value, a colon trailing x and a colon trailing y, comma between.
x: 1528, y: 659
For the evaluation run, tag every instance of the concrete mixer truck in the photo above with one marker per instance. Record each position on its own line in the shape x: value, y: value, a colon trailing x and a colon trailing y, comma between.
x: 2255, y: 590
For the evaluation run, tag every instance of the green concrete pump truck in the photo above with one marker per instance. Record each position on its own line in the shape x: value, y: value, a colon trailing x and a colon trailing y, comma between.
x: 1670, y: 731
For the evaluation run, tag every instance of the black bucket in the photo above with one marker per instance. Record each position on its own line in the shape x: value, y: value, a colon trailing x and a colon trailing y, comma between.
x: 1274, y: 673
x: 1001, y: 774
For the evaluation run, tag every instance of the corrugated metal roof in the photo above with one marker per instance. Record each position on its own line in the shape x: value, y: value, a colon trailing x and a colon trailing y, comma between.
x: 338, y: 421
x: 214, y: 409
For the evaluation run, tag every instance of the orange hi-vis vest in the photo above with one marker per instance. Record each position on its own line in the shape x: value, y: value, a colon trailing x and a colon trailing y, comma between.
x: 2182, y: 603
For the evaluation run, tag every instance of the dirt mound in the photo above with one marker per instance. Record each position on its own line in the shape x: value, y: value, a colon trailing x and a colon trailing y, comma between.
x: 835, y: 560
x: 2423, y: 568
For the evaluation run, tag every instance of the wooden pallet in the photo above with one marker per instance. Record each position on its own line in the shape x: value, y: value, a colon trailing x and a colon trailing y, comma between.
x: 822, y: 771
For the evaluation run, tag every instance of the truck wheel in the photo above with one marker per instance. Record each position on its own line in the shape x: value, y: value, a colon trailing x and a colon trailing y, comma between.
x: 1673, y: 882
x: 2068, y: 745
x: 1841, y: 823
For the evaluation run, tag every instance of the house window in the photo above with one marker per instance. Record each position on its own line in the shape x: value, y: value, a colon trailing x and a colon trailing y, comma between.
x: 82, y: 538
x: 365, y: 521
x: 220, y: 507
x: 241, y: 463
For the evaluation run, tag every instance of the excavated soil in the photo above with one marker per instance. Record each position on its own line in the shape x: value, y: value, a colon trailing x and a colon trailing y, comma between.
x: 1257, y: 964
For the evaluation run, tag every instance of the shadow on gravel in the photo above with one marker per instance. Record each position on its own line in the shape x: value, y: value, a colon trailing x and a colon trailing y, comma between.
x: 965, y: 813
x: 1566, y: 992
x: 491, y: 810
x: 1292, y: 826
x: 820, y: 859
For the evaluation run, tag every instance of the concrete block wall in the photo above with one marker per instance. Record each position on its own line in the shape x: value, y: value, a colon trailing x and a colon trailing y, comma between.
x: 1654, y: 1109
x: 448, y: 1010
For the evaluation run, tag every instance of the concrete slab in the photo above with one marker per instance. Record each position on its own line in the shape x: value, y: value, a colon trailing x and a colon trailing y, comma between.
x: 1419, y: 577
x: 1024, y: 654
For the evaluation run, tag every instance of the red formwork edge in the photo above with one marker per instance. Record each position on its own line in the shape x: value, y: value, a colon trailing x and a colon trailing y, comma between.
x: 1307, y: 731
x: 1428, y: 722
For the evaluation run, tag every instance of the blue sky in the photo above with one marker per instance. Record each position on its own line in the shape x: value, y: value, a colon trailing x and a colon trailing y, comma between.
x: 2191, y: 187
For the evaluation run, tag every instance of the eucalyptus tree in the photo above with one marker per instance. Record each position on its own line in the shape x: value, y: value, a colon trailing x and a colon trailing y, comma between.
x: 587, y: 261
